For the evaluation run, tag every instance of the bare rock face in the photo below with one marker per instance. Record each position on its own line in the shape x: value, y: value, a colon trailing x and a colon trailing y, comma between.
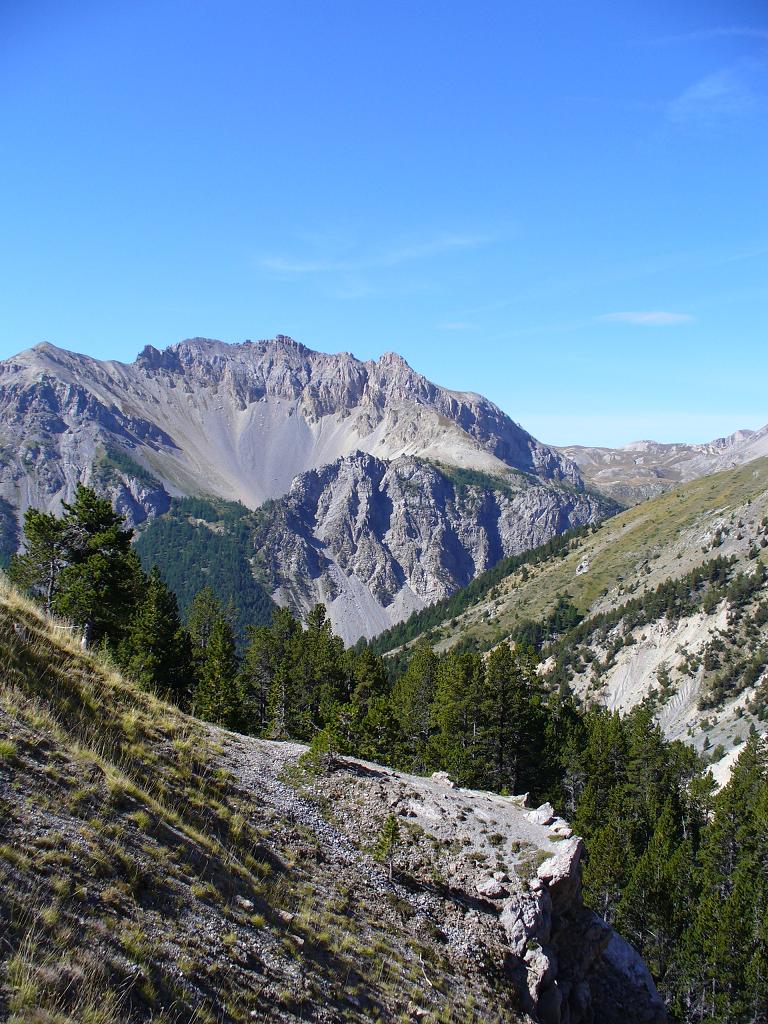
x: 356, y: 457
x: 567, y: 964
x: 374, y: 540
x: 239, y: 421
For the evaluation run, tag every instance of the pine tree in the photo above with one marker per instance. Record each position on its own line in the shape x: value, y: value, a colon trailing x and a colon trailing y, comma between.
x: 39, y: 568
x: 366, y: 724
x: 284, y: 638
x: 649, y: 911
x: 608, y: 867
x: 216, y: 695
x: 512, y: 721
x: 388, y: 842
x: 156, y: 650
x: 321, y: 755
x: 455, y: 718
x: 722, y: 947
x: 102, y: 578
x: 603, y: 761
x: 320, y: 679
x: 204, y: 612
x: 564, y: 741
x: 256, y: 675
x: 81, y: 565
x: 412, y: 698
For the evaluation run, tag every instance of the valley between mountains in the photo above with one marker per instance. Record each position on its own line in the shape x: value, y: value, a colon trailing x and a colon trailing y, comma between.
x: 330, y: 694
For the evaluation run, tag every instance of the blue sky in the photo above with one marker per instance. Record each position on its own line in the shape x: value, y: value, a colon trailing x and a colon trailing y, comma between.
x: 560, y: 205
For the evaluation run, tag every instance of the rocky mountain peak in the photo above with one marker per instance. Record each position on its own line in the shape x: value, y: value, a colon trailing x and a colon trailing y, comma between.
x: 361, y: 453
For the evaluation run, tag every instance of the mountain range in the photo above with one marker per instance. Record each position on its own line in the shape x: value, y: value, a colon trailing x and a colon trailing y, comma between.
x: 645, y: 469
x: 387, y: 491
x: 373, y: 490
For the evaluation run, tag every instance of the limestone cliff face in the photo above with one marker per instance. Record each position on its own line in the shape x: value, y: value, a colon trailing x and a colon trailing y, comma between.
x: 239, y: 421
x: 376, y: 540
x: 364, y: 521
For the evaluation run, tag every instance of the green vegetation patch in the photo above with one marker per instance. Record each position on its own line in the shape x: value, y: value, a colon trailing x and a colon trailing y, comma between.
x: 115, y: 462
x: 208, y: 543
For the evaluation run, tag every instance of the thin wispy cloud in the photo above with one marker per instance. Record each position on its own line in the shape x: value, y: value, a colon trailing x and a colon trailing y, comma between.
x: 649, y: 318
x: 457, y: 325
x: 433, y: 247
x: 287, y: 265
x: 392, y: 255
x: 723, y: 95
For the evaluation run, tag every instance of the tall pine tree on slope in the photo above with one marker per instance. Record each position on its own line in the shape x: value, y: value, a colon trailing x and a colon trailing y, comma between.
x: 81, y: 565
x: 156, y: 649
x: 217, y: 697
x: 39, y: 567
x: 412, y: 698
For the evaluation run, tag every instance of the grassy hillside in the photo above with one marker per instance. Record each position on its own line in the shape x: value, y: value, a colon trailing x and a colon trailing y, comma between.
x: 154, y: 868
x: 626, y: 555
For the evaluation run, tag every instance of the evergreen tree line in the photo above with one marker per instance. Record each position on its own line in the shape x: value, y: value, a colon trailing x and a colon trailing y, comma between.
x: 682, y: 872
x: 81, y: 565
x: 200, y: 543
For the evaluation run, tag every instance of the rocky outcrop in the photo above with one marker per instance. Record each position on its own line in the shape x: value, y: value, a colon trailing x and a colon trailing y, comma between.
x: 510, y: 886
x: 374, y: 540
x: 242, y: 880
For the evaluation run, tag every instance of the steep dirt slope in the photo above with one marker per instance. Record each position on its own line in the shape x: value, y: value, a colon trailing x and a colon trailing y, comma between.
x: 152, y: 867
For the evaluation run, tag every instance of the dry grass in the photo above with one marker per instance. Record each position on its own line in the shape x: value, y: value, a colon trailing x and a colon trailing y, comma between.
x: 139, y: 881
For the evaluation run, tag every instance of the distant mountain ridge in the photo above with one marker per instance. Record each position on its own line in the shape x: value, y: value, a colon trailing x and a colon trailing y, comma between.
x: 316, y: 433
x: 241, y: 421
x: 645, y: 469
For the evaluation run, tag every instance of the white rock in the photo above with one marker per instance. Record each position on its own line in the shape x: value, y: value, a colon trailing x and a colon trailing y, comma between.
x: 542, y: 815
x: 562, y: 872
x: 492, y: 888
x: 527, y: 916
x: 541, y: 968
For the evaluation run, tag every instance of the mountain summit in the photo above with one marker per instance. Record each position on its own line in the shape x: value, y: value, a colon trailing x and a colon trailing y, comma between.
x: 241, y: 421
x: 390, y: 491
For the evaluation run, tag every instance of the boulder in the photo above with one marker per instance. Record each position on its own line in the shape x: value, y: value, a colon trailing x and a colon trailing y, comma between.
x: 562, y: 873
x: 541, y: 815
x: 492, y: 888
